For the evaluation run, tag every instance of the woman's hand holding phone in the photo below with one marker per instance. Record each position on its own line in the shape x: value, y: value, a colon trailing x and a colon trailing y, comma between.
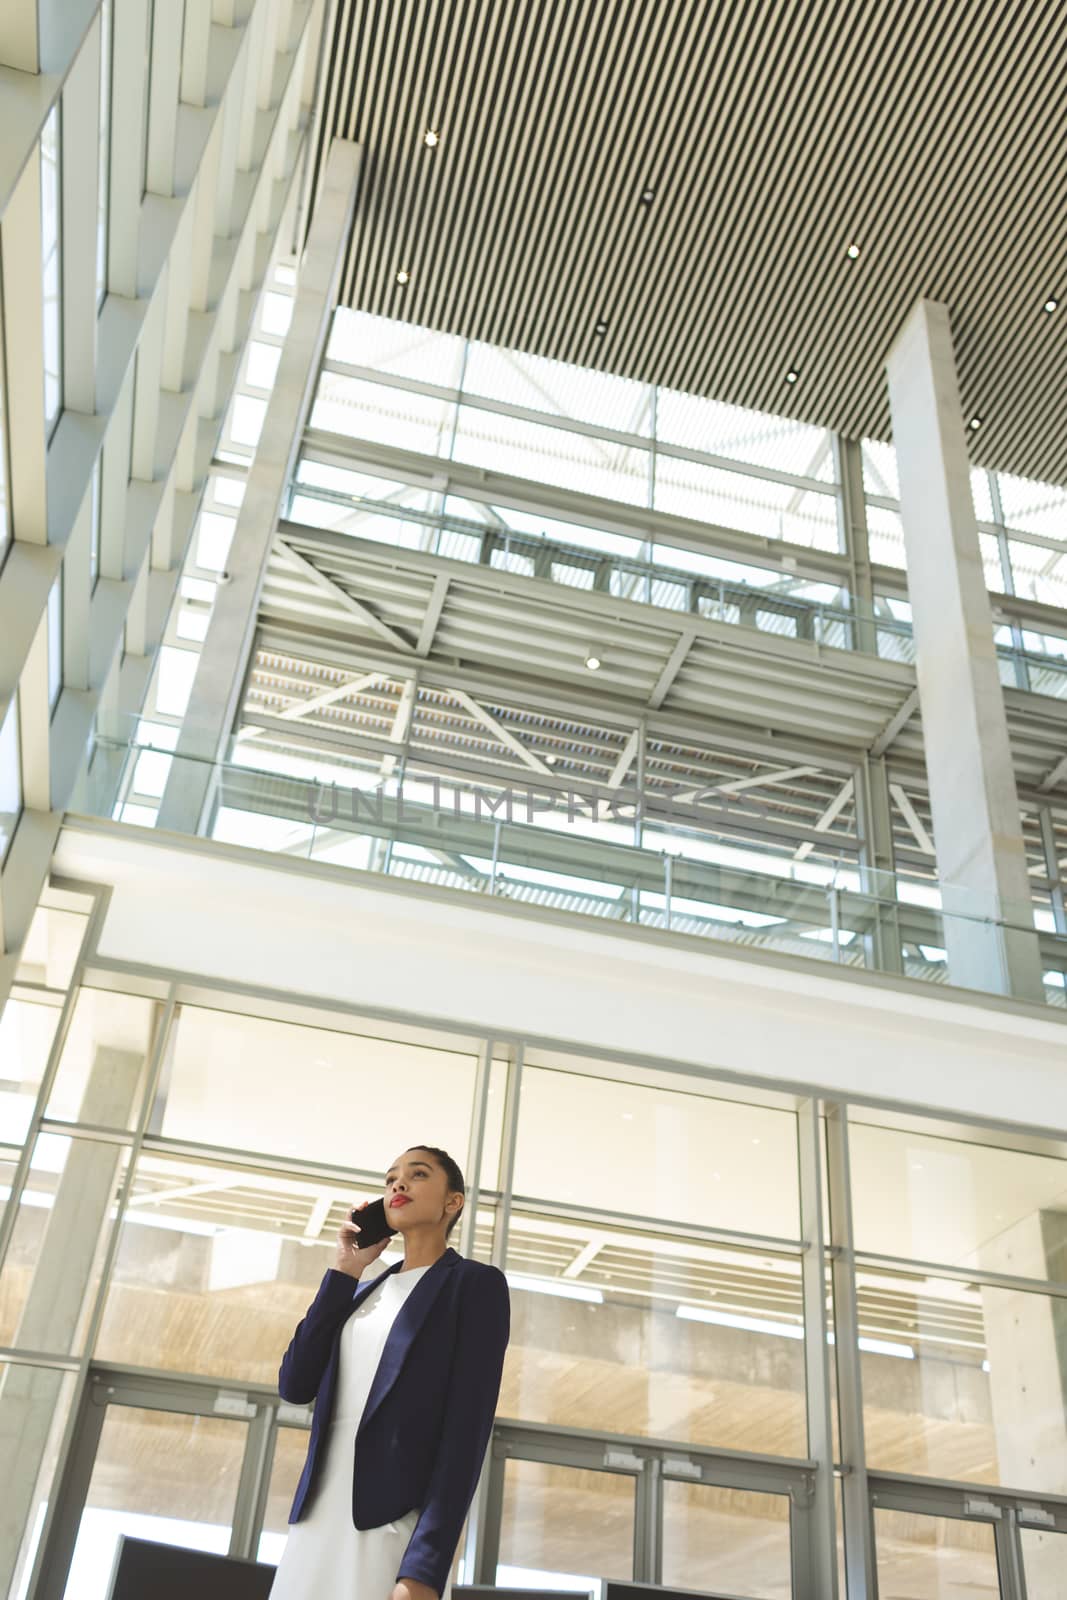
x: 350, y: 1258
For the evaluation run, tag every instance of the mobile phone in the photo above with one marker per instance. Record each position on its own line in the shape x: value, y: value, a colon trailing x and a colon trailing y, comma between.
x: 372, y: 1223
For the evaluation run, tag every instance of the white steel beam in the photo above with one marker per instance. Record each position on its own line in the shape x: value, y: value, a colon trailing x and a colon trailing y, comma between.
x: 220, y: 672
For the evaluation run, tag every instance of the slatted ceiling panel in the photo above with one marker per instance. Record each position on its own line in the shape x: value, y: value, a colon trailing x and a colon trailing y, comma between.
x: 773, y: 136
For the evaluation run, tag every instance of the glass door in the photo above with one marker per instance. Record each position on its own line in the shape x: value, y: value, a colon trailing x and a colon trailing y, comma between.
x: 729, y: 1540
x: 174, y: 1462
x: 565, y: 1527
x: 937, y: 1540
x: 158, y: 1475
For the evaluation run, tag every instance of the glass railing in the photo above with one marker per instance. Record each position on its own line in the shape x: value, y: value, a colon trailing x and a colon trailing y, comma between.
x: 489, y: 843
x: 664, y: 576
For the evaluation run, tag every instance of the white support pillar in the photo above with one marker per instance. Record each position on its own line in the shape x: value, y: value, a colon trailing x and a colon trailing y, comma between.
x: 977, y: 832
x: 220, y: 674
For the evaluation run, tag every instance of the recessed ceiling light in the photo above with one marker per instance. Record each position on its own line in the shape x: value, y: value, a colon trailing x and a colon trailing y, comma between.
x: 431, y: 138
x: 592, y: 662
x: 647, y: 196
x: 791, y: 376
x: 852, y: 252
x: 403, y: 277
x: 551, y: 758
x: 976, y: 422
x: 1050, y: 305
x: 601, y: 327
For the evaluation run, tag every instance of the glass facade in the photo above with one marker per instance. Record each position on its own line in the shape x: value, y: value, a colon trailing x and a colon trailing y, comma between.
x: 104, y: 154
x: 51, y: 231
x: 649, y: 1223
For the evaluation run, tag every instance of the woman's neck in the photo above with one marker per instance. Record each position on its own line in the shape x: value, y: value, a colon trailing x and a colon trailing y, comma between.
x: 422, y: 1252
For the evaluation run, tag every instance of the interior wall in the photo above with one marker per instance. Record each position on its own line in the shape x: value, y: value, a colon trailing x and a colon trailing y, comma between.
x: 198, y: 907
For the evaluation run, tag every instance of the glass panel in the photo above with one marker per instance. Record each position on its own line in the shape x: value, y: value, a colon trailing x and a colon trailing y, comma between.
x: 981, y: 497
x: 275, y: 313
x: 1033, y: 506
x: 564, y: 1522
x: 53, y: 1263
x: 755, y: 505
x: 885, y: 536
x: 214, y: 535
x: 1040, y: 572
x: 94, y: 529
x: 613, y: 1329
x: 10, y: 775
x: 50, y: 952
x: 216, y: 1266
x: 366, y: 410
x: 55, y: 641
x: 175, y: 674
x: 231, y: 1071
x: 991, y: 567
x: 552, y: 455
x: 158, y: 1475
x: 34, y: 1405
x: 290, y: 1451
x: 399, y: 348
x: 726, y: 1540
x: 578, y: 393
x: 962, y: 1381
x: 246, y: 419
x: 660, y: 1152
x: 105, y: 1053
x: 967, y: 1205
x: 935, y: 1558
x: 1044, y: 1563
x: 880, y: 469
x: 103, y: 190
x: 50, y: 257
x: 756, y: 437
x: 27, y: 1028
x: 5, y: 525
x: 262, y: 364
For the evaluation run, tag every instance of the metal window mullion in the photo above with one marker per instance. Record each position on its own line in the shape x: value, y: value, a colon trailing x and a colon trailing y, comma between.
x: 69, y: 1443
x: 564, y: 424
x: 861, y: 1573
x: 648, y: 1522
x: 254, y: 1483
x: 819, y: 1581
x: 476, y: 1146
x: 483, y: 1525
x: 1052, y: 867
x: 1011, y: 1567
x: 855, y: 543
x: 73, y: 1474
x: 48, y: 1077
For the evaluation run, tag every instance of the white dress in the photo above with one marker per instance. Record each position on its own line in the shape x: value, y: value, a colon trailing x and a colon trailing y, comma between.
x: 326, y: 1557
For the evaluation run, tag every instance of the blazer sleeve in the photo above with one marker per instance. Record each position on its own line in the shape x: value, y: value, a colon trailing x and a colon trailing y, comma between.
x: 308, y: 1355
x: 484, y: 1326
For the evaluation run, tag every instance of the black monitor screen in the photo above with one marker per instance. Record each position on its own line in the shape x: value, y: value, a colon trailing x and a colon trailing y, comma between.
x: 167, y: 1572
x: 649, y: 1591
x: 478, y: 1591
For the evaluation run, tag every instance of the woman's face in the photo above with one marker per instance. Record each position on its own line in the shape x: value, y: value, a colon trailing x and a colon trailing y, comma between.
x: 416, y: 1191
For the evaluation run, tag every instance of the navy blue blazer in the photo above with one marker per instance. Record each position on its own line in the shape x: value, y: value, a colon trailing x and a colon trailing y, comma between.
x: 429, y: 1415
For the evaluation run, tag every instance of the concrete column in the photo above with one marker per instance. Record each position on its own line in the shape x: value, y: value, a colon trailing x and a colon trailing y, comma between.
x: 1026, y: 1343
x: 980, y: 856
x: 219, y: 680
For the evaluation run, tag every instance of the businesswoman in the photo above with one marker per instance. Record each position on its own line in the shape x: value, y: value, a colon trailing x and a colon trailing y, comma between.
x: 405, y: 1373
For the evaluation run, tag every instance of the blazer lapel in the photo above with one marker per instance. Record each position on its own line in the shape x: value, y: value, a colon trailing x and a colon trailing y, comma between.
x: 409, y: 1320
